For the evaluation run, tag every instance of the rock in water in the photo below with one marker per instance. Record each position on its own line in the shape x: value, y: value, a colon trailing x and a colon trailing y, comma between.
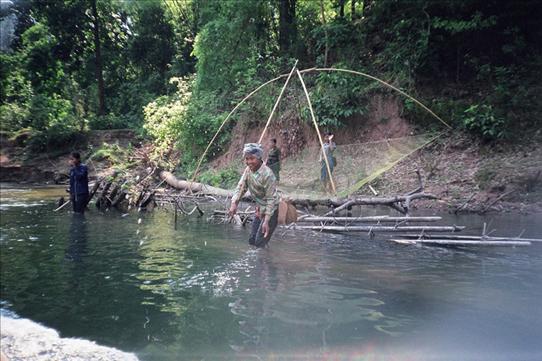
x: 23, y: 339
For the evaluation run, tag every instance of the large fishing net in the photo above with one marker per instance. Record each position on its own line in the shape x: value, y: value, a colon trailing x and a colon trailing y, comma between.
x: 357, y: 165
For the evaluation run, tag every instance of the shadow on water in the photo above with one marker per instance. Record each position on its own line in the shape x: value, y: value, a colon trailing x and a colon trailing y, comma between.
x: 199, y: 292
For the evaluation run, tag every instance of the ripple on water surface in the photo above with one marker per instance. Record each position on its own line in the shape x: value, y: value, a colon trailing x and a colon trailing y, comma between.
x: 201, y: 291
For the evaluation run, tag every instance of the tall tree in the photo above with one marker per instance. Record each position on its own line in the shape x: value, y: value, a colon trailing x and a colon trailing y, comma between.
x: 98, y: 58
x: 287, y: 26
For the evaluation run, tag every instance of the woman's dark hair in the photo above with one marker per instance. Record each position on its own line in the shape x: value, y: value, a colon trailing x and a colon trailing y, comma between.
x: 75, y: 155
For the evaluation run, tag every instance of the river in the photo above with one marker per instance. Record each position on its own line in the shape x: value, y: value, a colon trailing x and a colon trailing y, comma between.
x: 132, y: 282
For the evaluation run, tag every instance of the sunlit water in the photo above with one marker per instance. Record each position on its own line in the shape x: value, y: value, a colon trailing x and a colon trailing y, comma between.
x: 199, y: 292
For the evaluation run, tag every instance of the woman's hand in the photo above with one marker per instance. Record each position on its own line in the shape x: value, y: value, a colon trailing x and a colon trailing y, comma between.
x: 265, y: 228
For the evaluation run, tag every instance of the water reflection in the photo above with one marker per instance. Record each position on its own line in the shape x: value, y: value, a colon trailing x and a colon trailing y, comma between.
x: 77, y: 238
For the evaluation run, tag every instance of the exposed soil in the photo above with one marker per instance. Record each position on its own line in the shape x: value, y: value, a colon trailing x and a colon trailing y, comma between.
x: 18, y: 165
x: 466, y: 174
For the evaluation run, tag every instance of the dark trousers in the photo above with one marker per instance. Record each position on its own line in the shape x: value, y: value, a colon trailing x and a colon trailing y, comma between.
x: 79, y: 202
x: 256, y: 235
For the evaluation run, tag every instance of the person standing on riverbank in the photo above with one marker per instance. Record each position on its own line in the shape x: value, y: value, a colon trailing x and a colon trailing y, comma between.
x: 329, y: 148
x: 273, y: 159
x: 78, y: 183
x: 262, y: 184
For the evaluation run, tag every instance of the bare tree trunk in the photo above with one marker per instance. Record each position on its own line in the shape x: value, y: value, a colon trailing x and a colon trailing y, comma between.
x: 325, y: 31
x: 98, y: 59
x: 353, y: 9
x: 341, y: 8
x: 287, y: 28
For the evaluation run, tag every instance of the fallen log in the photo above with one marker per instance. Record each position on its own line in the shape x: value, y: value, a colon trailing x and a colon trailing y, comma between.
x: 448, y: 242
x: 368, y: 219
x: 194, y: 187
x: 399, y: 203
x: 381, y: 228
x: 464, y: 237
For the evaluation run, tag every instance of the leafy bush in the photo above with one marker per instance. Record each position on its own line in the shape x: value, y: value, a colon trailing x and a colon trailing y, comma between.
x: 165, y: 115
x: 46, y: 111
x: 116, y: 155
x: 482, y: 119
x: 110, y: 121
x: 13, y: 116
x: 337, y: 96
x: 225, y: 178
x: 57, y: 137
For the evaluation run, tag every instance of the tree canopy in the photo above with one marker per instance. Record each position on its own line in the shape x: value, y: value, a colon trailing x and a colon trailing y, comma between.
x: 72, y: 65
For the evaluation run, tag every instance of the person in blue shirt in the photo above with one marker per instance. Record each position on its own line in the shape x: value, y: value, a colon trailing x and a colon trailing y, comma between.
x: 78, y: 183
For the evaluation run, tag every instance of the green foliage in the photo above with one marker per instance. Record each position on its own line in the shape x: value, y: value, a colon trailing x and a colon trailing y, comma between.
x: 12, y: 117
x: 224, y: 178
x: 455, y: 26
x: 337, y: 96
x: 165, y: 116
x: 483, y: 120
x: 111, y: 121
x: 112, y: 152
x: 455, y: 53
x: 117, y: 156
x: 57, y: 137
x: 150, y: 52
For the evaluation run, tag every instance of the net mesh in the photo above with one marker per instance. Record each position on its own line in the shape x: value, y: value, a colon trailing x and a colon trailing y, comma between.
x: 357, y: 165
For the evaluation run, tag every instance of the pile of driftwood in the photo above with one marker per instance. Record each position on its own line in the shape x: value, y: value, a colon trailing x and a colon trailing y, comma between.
x: 413, y: 230
x: 186, y: 198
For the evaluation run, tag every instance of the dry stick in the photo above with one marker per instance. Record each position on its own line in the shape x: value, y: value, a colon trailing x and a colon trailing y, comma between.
x: 376, y: 228
x: 317, y: 131
x: 62, y: 206
x: 461, y: 243
x: 312, y: 218
x: 473, y: 238
x: 485, y: 209
x: 464, y: 204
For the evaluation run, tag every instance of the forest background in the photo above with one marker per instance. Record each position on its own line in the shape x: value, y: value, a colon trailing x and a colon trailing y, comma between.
x: 171, y: 70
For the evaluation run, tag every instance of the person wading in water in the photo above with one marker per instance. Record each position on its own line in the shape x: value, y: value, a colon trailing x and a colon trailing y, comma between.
x: 262, y: 184
x: 78, y: 183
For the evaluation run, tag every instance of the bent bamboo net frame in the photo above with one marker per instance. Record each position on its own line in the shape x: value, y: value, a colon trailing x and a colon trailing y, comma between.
x: 318, y: 132
x: 227, y: 118
x: 302, y: 72
x: 277, y: 102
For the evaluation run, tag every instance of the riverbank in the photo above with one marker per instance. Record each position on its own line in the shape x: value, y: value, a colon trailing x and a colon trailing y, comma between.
x: 465, y: 174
